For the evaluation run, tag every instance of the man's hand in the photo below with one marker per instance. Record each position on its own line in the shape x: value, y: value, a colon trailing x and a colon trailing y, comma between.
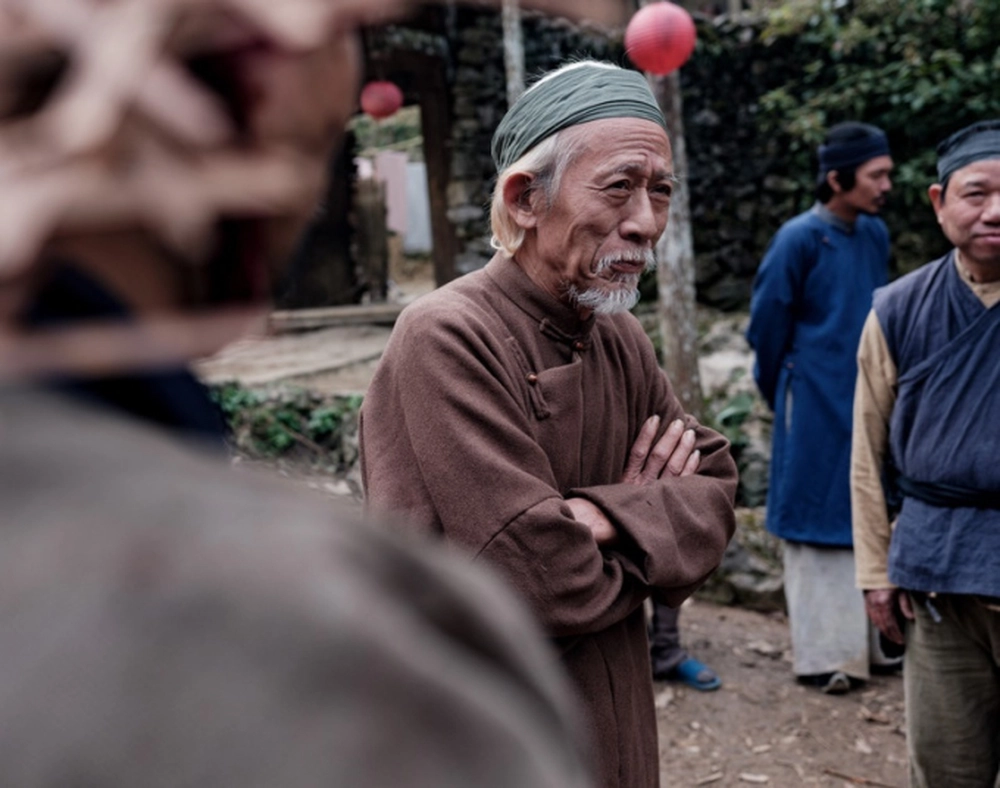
x: 600, y: 526
x: 673, y: 454
x: 882, y: 604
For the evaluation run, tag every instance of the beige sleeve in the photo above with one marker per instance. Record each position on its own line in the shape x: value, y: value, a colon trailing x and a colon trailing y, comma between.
x: 874, y: 398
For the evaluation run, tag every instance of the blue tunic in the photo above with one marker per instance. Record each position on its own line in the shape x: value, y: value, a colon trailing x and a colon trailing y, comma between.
x: 811, y: 296
x: 945, y: 428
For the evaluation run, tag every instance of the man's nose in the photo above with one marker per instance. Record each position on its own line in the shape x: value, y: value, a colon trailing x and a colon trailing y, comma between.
x: 991, y: 209
x: 641, y: 223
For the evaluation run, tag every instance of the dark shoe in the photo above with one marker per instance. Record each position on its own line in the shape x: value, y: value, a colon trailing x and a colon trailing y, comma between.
x: 836, y: 683
x: 693, y: 673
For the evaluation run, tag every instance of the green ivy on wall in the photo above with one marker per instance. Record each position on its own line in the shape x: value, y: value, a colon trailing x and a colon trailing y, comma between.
x: 919, y: 69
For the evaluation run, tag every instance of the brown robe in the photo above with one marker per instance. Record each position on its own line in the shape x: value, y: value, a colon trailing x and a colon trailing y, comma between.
x: 168, y: 621
x: 492, y: 403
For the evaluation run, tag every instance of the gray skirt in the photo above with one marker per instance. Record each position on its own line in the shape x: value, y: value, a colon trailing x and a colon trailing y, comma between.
x: 826, y: 613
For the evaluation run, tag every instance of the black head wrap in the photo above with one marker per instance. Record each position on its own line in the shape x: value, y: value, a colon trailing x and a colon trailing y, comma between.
x: 848, y: 154
x: 973, y: 143
x: 576, y: 94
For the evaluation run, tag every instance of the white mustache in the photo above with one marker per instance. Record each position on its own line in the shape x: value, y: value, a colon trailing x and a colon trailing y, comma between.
x: 644, y: 256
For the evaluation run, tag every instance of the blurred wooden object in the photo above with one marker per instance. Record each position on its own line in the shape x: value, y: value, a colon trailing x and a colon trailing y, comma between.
x: 287, y: 320
x: 372, y: 236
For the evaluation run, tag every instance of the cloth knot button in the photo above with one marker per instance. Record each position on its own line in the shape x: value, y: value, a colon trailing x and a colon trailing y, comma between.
x: 532, y: 378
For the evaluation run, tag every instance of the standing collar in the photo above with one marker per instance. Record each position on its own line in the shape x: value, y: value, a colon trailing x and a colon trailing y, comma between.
x: 830, y: 217
x: 555, y: 319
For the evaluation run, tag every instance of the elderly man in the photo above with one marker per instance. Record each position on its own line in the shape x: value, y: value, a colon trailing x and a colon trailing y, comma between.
x: 927, y: 420
x: 810, y: 297
x: 165, y: 621
x: 519, y: 411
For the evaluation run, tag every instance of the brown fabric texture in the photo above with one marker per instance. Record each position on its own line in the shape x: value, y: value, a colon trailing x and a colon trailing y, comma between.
x: 167, y: 621
x: 494, y: 402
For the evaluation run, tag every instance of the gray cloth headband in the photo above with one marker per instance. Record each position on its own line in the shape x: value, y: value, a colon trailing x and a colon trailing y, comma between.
x: 973, y: 143
x: 577, y: 95
x: 846, y: 155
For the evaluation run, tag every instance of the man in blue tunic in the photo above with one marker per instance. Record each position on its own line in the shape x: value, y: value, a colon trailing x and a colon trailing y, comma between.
x: 926, y: 422
x: 810, y: 298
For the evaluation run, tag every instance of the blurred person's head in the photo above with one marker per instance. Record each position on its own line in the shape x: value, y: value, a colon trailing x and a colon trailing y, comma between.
x: 172, y: 148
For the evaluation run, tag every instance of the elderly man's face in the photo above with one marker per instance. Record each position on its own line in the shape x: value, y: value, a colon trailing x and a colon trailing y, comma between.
x: 969, y: 211
x: 595, y: 240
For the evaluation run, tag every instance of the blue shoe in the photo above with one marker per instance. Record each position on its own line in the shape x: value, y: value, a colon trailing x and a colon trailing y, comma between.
x: 696, y: 675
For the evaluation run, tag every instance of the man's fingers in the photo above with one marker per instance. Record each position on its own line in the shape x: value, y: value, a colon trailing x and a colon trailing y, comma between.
x: 592, y: 517
x: 640, y: 451
x: 664, y: 450
x: 673, y: 454
x: 691, y: 466
x: 883, y: 620
x: 682, y: 453
x: 881, y: 607
x: 906, y: 605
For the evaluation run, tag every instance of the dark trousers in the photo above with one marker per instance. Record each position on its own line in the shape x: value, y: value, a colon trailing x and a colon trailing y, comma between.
x: 665, y: 639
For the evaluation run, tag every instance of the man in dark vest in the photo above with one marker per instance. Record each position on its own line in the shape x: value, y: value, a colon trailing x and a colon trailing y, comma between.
x: 926, y: 432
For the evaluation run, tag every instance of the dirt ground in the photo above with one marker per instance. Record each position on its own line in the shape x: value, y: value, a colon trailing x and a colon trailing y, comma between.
x: 761, y: 727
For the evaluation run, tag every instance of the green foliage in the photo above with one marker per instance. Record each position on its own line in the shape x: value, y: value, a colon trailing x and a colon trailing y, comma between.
x: 291, y: 422
x: 730, y: 418
x: 920, y: 69
x: 400, y: 132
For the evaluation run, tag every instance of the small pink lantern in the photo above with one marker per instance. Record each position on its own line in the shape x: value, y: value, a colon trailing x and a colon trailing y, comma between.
x: 381, y: 99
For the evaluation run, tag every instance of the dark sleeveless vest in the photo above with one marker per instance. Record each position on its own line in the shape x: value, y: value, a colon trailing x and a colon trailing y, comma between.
x: 944, y: 433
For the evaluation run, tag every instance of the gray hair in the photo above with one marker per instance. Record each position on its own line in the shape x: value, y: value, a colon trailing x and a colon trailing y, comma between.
x: 546, y: 163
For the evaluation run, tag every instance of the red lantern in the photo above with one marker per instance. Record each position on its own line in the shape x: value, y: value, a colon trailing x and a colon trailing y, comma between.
x: 660, y: 37
x: 381, y: 99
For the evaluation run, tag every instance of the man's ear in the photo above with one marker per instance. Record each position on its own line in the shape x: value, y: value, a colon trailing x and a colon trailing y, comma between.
x: 934, y: 191
x: 520, y: 197
x: 833, y: 183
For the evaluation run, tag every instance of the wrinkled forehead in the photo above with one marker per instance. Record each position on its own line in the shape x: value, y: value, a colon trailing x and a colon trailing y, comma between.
x: 623, y: 145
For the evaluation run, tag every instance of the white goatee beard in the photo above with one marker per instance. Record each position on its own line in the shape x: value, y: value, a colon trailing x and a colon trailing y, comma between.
x: 622, y: 295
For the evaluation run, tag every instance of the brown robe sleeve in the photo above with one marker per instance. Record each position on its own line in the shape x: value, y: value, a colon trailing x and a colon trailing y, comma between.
x: 455, y: 449
x: 677, y: 529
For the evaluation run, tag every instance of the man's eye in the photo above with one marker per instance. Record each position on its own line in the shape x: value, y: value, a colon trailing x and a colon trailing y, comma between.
x: 664, y: 190
x: 619, y: 186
